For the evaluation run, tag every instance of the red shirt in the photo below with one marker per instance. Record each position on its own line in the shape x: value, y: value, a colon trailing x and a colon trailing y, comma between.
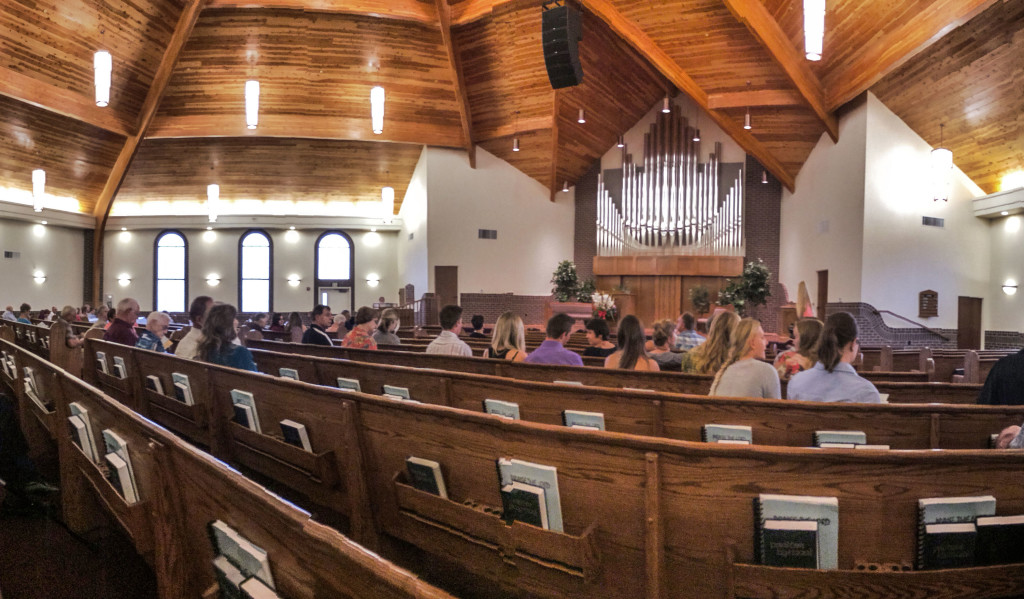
x: 121, y: 332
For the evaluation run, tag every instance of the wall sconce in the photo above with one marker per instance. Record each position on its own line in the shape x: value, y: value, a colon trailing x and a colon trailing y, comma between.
x: 39, y: 230
x: 39, y: 276
x: 373, y: 279
x: 293, y: 280
x: 292, y: 235
x: 372, y: 239
x: 1010, y: 287
x: 124, y: 279
x: 209, y: 235
x: 213, y: 279
x: 125, y: 235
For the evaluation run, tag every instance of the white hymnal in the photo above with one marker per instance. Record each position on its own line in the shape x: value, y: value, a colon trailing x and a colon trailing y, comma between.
x: 121, y: 478
x: 255, y: 589
x: 247, y: 402
x: 115, y: 444
x: 824, y: 510
x: 81, y: 437
x: 119, y: 367
x: 505, y: 409
x: 588, y: 420
x: 249, y: 558
x: 182, y: 388
x: 79, y: 411
x: 295, y: 434
x: 393, y: 392
x: 537, y: 475
x: 844, y: 437
x: 228, y: 576
x: 348, y: 384
x: 289, y: 373
x: 101, y: 362
x: 721, y: 433
x: 577, y: 383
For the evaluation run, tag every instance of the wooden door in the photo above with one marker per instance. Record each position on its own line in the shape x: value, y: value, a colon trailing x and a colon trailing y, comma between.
x: 822, y: 294
x: 968, y: 323
x: 446, y: 285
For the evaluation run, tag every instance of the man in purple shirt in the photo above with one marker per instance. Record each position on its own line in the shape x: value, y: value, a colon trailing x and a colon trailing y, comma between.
x: 552, y: 350
x: 122, y: 329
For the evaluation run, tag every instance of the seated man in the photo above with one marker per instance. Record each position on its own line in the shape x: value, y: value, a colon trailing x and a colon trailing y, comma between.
x: 122, y: 330
x: 448, y: 343
x: 153, y: 337
x: 1004, y: 385
x: 686, y: 337
x: 317, y: 333
x: 477, y: 322
x: 552, y: 350
x: 9, y: 314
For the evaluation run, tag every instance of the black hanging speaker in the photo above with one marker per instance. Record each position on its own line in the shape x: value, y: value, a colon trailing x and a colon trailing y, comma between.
x: 561, y: 34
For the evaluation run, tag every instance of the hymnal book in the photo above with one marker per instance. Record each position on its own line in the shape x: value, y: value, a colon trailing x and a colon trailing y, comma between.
x: 80, y: 437
x: 992, y: 440
x: 244, y: 398
x: 348, y: 384
x: 948, y: 546
x: 790, y: 543
x: 949, y: 510
x: 182, y: 388
x: 295, y: 434
x: 396, y: 392
x: 852, y: 437
x: 289, y: 373
x: 79, y: 411
x: 579, y: 383
x: 243, y: 416
x: 884, y: 397
x: 876, y: 447
x: 101, y: 362
x: 525, y: 503
x: 823, y: 510
x: 242, y: 553
x: 119, y: 368
x: 538, y: 475
x: 115, y: 444
x: 505, y: 409
x: 255, y: 589
x: 153, y: 383
x: 999, y: 540
x: 716, y: 433
x: 4, y: 363
x: 578, y: 419
x: 121, y: 478
x: 426, y: 476
x: 229, y: 578
x: 837, y: 445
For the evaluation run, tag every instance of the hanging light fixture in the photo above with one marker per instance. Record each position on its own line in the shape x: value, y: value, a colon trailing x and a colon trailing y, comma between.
x: 814, y: 28
x: 580, y: 119
x: 102, y: 64
x: 621, y: 143
x: 252, y: 104
x: 942, y: 169
x: 515, y: 139
x: 666, y: 105
x: 764, y: 177
x: 746, y: 120
x: 377, y: 109
x: 696, y: 125
x: 565, y: 186
x: 38, y: 189
x: 212, y: 199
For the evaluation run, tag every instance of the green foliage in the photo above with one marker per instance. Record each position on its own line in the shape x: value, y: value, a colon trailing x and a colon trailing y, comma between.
x: 566, y: 282
x: 750, y: 290
x: 585, y: 291
x: 700, y: 296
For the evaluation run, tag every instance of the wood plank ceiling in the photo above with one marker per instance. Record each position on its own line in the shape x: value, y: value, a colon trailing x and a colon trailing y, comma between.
x: 317, y: 60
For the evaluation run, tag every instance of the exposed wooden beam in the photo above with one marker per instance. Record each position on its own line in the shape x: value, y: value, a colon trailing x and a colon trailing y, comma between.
x: 405, y: 10
x: 643, y: 44
x: 444, y: 17
x: 182, y: 31
x: 761, y: 97
x: 898, y: 45
x: 468, y: 11
x: 525, y: 125
x: 63, y: 102
x: 305, y: 127
x: 554, y: 144
x: 759, y: 21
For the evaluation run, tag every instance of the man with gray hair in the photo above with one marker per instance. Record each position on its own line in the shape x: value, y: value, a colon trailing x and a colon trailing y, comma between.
x: 122, y: 330
x: 153, y: 337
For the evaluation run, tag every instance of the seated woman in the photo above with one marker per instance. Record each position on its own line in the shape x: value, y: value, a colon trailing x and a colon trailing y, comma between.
x: 708, y: 357
x: 361, y: 335
x: 833, y: 377
x: 277, y: 323
x: 295, y: 328
x: 220, y: 328
x: 631, y: 354
x: 508, y: 339
x: 664, y: 339
x: 744, y: 374
x: 387, y: 328
x: 805, y: 349
x: 597, y: 336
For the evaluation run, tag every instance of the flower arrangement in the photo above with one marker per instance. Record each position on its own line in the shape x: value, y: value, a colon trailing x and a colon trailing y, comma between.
x: 604, y: 306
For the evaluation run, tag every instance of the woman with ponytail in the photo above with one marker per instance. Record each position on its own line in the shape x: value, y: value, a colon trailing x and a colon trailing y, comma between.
x: 744, y: 374
x: 833, y: 378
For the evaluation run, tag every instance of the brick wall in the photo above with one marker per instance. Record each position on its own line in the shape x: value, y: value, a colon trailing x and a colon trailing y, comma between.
x: 873, y: 332
x: 1004, y: 340
x: 762, y: 216
x: 585, y: 230
x: 491, y: 305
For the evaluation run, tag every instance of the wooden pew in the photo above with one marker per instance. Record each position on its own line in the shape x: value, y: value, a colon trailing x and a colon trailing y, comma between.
x: 978, y: 364
x: 194, y: 422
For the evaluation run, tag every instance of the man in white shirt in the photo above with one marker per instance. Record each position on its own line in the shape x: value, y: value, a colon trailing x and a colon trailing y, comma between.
x: 448, y: 342
x: 188, y: 347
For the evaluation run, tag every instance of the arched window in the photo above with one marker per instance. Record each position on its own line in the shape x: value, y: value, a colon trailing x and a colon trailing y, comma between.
x: 170, y: 265
x: 334, y: 257
x: 255, y: 256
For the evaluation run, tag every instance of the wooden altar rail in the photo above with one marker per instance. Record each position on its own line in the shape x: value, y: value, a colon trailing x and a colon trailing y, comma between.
x: 632, y: 505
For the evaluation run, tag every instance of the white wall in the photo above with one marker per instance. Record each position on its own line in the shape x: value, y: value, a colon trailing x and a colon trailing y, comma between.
x: 56, y: 251
x: 412, y: 253
x: 534, y: 233
x: 822, y: 223
x: 953, y: 260
x: 1006, y: 312
x: 218, y: 254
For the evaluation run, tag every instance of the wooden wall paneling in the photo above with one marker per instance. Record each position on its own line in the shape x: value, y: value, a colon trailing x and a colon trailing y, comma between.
x: 669, y: 298
x: 405, y: 10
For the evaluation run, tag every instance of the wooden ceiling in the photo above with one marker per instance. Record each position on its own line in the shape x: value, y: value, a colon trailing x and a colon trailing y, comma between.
x: 462, y: 73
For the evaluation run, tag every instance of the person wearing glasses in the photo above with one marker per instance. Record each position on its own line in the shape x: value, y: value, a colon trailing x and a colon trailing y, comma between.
x: 833, y: 378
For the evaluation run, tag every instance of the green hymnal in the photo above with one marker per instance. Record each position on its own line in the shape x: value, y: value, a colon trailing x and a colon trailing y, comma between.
x: 790, y: 543
x: 948, y: 546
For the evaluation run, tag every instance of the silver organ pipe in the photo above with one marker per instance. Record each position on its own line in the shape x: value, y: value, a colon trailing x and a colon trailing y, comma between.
x: 672, y: 203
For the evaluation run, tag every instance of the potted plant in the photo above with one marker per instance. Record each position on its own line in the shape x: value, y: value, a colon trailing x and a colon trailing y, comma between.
x: 566, y: 281
x: 750, y: 290
x: 700, y: 296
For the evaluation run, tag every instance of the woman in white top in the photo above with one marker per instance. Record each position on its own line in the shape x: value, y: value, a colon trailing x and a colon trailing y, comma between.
x: 745, y: 374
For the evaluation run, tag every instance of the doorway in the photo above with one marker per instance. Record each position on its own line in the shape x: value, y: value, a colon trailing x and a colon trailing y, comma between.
x: 338, y: 298
x: 822, y: 294
x: 446, y: 285
x: 968, y: 323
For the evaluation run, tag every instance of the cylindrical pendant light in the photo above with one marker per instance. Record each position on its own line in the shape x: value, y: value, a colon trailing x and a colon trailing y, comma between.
x: 621, y: 143
x: 764, y: 176
x: 515, y: 144
x: 102, y: 65
x: 377, y: 109
x: 38, y: 189
x: 746, y: 121
x: 666, y: 105
x: 565, y: 186
x: 212, y: 199
x: 252, y: 104
x: 581, y: 120
x: 814, y: 28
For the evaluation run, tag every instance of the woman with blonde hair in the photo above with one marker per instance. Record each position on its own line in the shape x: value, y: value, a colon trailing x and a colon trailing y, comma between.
x: 709, y: 356
x: 803, y: 302
x: 508, y: 339
x: 631, y: 354
x: 387, y: 328
x: 805, y: 349
x: 744, y: 374
x: 664, y: 339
